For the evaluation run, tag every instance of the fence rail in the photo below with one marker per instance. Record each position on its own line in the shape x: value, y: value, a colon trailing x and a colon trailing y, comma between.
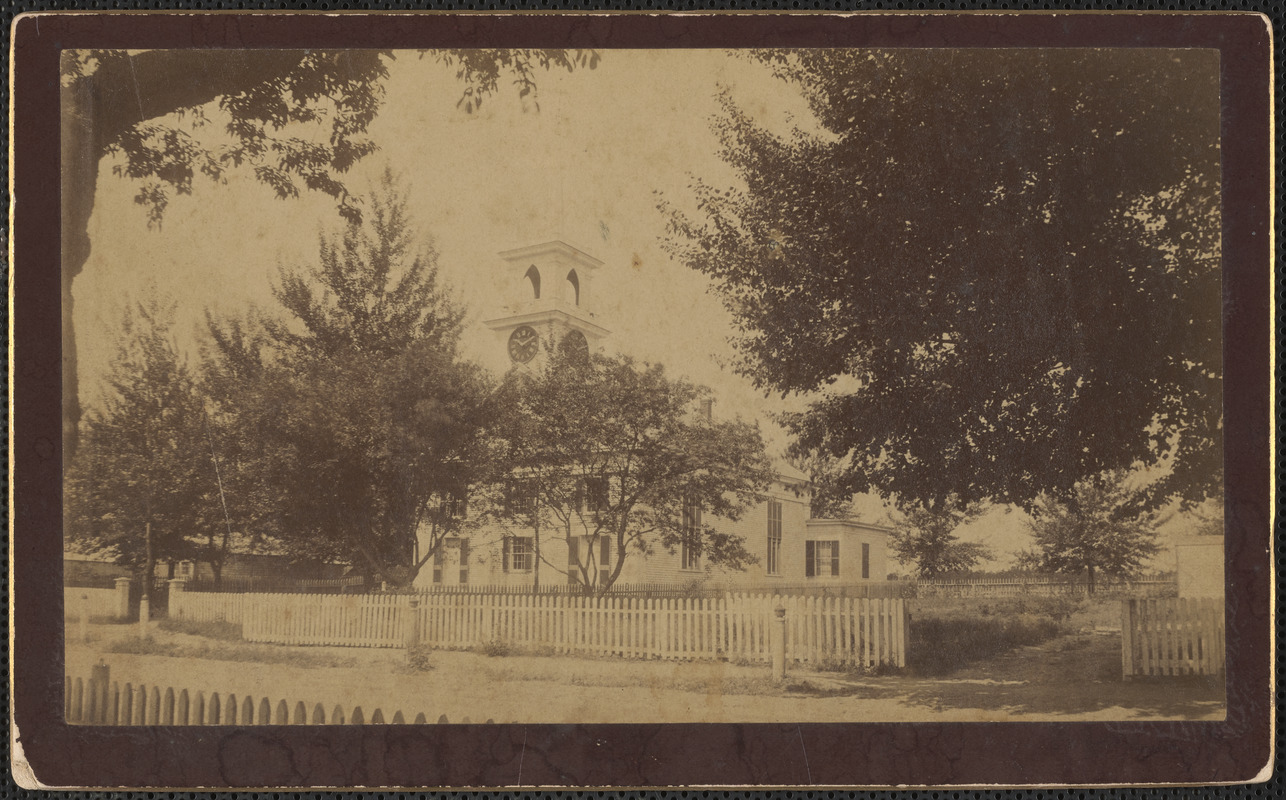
x: 691, y: 591
x: 837, y: 630
x: 100, y: 701
x: 264, y: 584
x: 1036, y: 584
x: 1172, y: 636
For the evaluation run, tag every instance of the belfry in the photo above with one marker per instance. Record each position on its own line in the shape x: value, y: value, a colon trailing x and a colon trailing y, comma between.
x: 546, y: 292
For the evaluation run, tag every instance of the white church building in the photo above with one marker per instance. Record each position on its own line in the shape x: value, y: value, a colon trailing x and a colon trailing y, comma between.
x: 546, y: 294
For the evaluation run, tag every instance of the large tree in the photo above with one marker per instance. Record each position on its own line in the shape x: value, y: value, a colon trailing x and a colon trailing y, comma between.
x: 998, y: 268
x: 145, y: 110
x: 136, y: 487
x: 606, y: 449
x: 1098, y: 530
x: 927, y: 538
x: 355, y: 413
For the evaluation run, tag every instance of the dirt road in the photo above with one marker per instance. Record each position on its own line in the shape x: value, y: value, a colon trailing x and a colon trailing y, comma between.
x: 1070, y: 678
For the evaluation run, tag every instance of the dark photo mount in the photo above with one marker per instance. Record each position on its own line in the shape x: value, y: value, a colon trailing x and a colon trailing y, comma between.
x: 51, y: 753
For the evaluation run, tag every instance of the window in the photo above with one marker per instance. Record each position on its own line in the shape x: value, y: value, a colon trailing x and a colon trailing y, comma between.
x: 519, y: 555
x: 520, y: 499
x: 573, y: 286
x: 596, y: 499
x: 707, y: 409
x: 454, y: 505
x: 573, y: 561
x: 866, y: 561
x: 821, y: 559
x: 774, y: 537
x: 533, y: 277
x: 438, y: 559
x: 464, y: 561
x: 689, y: 556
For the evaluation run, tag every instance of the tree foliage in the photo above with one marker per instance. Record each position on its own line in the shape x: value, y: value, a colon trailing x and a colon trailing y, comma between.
x: 926, y: 537
x: 147, y: 109
x: 1098, y: 530
x: 136, y: 103
x: 1000, y: 269
x: 137, y: 488
x: 830, y: 500
x: 357, y: 415
x: 610, y: 449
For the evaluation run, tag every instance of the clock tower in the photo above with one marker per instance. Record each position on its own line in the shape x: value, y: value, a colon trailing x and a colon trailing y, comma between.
x: 546, y: 292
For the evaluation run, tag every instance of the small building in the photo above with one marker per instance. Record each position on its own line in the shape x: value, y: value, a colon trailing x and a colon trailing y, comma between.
x: 1199, y: 566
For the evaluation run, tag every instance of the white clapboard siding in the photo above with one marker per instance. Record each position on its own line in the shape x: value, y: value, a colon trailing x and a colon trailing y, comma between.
x: 1172, y: 636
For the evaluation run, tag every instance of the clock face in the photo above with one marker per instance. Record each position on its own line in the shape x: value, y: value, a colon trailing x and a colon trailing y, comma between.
x: 576, y: 346
x: 523, y: 344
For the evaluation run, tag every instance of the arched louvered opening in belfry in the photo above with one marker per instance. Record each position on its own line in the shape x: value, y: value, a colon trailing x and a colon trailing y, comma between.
x: 533, y: 276
x: 573, y: 287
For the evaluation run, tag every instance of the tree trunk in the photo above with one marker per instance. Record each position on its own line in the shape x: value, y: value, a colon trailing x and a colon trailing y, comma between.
x: 80, y: 155
x: 149, y: 563
x: 535, y: 548
x: 98, y: 108
x: 1090, y: 585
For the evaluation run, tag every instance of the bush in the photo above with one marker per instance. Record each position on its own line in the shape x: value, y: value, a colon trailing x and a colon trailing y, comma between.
x: 218, y: 629
x: 494, y: 649
x: 419, y: 658
x: 939, y: 647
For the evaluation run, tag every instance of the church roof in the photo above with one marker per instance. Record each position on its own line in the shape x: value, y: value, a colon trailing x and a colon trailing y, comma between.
x: 554, y: 247
x: 789, y: 472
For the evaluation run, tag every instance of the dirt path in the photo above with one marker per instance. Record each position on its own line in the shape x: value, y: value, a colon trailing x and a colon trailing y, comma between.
x: 1068, y: 678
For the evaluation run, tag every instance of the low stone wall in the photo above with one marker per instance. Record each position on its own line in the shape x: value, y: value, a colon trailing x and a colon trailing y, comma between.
x: 98, y: 602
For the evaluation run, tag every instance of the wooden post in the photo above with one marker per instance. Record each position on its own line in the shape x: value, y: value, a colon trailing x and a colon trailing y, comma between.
x: 411, y: 627
x: 143, y: 613
x: 779, y: 643
x: 122, y: 598
x: 100, y: 678
x: 177, y: 586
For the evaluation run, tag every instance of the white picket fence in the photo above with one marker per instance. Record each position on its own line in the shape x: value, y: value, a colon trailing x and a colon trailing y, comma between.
x: 834, y: 630
x: 1172, y: 636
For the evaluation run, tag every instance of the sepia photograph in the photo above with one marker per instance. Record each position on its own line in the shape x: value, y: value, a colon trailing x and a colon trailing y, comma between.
x: 578, y: 386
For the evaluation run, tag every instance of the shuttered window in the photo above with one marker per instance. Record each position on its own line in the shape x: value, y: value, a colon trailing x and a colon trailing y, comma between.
x: 774, y: 538
x: 688, y: 550
x: 518, y: 554
x: 821, y: 559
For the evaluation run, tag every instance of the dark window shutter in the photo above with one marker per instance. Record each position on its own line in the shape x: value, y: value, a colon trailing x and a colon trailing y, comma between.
x: 834, y: 558
x: 605, y: 553
x: 464, y: 561
x: 507, y: 555
x: 810, y: 552
x: 866, y: 560
x: 573, y: 552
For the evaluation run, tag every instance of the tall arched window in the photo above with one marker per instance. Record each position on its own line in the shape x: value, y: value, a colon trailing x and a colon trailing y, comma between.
x: 574, y: 281
x: 533, y: 275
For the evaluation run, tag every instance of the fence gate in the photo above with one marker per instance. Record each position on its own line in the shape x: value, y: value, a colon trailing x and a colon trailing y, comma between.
x: 1172, y: 636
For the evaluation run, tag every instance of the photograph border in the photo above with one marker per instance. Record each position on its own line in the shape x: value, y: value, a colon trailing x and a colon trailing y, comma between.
x: 54, y: 754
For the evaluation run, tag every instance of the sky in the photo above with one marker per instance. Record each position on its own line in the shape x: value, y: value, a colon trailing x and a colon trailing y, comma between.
x: 587, y: 167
